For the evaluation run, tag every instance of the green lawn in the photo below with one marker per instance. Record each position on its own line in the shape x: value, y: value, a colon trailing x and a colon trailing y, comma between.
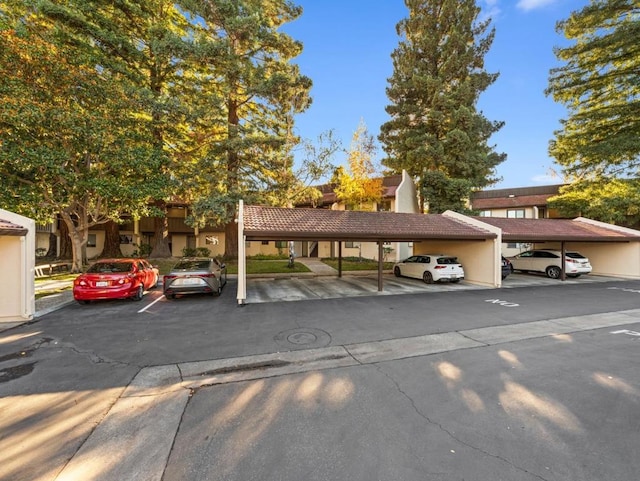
x: 357, y: 265
x: 255, y: 266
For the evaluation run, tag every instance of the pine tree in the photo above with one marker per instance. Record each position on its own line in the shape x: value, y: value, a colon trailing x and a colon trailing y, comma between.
x: 436, y: 132
x: 598, y: 145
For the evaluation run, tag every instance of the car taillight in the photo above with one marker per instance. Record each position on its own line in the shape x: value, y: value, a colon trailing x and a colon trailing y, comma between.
x: 80, y: 282
x: 207, y: 275
x: 440, y: 267
x: 568, y: 259
x: 124, y: 280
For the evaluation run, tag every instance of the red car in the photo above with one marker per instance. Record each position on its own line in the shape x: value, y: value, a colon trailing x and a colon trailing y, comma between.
x: 115, y: 279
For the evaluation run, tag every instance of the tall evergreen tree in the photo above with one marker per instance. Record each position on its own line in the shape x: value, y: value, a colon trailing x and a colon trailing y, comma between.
x: 436, y: 132
x: 598, y: 145
x: 261, y: 91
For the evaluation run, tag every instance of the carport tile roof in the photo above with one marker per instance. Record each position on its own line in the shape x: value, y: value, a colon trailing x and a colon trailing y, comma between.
x: 286, y: 224
x: 9, y: 228
x: 558, y: 230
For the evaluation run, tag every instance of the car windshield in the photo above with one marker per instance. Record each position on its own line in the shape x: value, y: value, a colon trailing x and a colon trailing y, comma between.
x: 106, y: 267
x: 447, y: 260
x: 192, y: 265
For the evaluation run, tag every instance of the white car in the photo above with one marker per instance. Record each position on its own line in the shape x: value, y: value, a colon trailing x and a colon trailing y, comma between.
x: 430, y: 268
x: 550, y: 262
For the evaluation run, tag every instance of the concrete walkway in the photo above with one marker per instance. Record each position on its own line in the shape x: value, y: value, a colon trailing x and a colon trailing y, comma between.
x: 317, y: 266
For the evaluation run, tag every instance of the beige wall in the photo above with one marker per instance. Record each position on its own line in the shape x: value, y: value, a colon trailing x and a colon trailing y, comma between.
x: 17, y: 264
x: 12, y: 280
x: 477, y: 258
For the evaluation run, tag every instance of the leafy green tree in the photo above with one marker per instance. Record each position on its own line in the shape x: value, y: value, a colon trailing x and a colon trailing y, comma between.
x: 68, y: 144
x: 358, y: 186
x: 295, y: 185
x: 152, y: 45
x: 435, y: 127
x: 599, y: 83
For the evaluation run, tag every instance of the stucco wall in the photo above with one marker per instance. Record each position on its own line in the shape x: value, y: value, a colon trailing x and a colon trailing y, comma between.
x: 17, y: 264
x: 476, y: 258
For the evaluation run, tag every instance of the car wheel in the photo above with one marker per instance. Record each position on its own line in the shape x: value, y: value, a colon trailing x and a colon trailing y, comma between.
x: 219, y: 290
x: 427, y: 277
x: 84, y: 302
x: 553, y: 272
x: 396, y: 271
x: 170, y: 296
x: 139, y: 293
x: 573, y: 275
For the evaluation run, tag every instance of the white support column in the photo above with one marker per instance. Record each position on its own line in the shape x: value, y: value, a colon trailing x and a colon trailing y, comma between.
x: 242, y: 261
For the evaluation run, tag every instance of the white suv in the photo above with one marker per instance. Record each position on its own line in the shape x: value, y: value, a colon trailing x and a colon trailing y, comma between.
x: 550, y: 262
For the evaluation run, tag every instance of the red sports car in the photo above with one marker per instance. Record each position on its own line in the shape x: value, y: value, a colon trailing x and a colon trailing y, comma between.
x: 115, y: 279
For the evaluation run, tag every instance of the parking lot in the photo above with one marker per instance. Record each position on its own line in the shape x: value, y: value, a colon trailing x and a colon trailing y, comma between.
x: 277, y: 289
x: 429, y: 381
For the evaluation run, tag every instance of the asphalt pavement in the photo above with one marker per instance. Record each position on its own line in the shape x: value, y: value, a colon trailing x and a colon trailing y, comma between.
x: 537, y: 382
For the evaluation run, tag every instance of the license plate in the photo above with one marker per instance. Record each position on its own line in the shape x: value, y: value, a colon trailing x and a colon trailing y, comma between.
x: 453, y: 276
x: 188, y: 281
x: 102, y: 284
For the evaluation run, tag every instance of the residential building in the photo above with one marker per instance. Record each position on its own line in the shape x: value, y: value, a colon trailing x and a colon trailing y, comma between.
x: 516, y: 203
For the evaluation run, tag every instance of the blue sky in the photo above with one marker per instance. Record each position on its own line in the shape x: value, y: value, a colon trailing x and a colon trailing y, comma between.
x: 347, y: 48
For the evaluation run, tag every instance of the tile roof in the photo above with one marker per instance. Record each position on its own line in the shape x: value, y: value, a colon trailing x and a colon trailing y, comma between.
x: 9, y: 228
x: 526, y: 230
x: 267, y: 223
x: 507, y: 202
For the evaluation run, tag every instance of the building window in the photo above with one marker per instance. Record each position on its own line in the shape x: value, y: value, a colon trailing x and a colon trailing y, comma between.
x: 515, y: 213
x: 212, y: 239
x: 350, y: 245
x: 265, y: 243
x: 485, y: 213
x: 384, y: 206
x: 91, y: 241
x: 281, y: 244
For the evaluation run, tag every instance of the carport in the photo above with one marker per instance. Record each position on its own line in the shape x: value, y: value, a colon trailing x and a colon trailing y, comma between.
x: 612, y: 250
x: 262, y: 223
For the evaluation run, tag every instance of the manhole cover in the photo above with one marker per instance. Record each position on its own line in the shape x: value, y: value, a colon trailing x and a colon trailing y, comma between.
x: 305, y: 337
x: 302, y: 338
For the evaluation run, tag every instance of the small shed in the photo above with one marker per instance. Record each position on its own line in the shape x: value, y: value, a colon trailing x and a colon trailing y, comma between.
x: 17, y: 265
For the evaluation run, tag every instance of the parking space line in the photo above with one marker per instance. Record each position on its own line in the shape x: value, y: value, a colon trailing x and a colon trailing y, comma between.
x: 149, y: 305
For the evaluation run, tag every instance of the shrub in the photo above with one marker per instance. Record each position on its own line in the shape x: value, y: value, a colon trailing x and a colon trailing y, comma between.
x: 142, y: 250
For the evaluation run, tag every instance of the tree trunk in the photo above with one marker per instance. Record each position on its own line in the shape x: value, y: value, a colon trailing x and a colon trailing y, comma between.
x: 231, y: 240
x: 160, y: 248
x: 111, y: 240
x: 78, y: 233
x: 66, y: 251
x: 53, y: 246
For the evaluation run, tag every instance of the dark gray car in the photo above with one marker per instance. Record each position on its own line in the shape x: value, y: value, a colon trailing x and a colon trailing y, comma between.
x: 195, y: 276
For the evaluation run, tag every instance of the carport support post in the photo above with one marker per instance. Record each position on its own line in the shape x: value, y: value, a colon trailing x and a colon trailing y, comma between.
x: 339, y: 258
x: 563, y: 253
x: 380, y: 251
